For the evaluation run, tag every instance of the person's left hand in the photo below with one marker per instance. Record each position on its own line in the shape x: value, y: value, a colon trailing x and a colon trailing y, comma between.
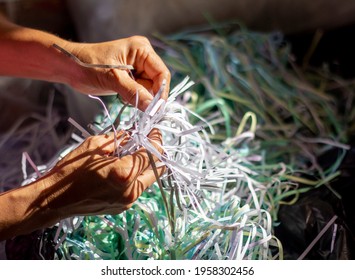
x: 91, y: 181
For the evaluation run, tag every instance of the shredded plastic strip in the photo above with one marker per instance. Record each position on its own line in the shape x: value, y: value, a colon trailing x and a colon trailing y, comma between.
x: 88, y: 65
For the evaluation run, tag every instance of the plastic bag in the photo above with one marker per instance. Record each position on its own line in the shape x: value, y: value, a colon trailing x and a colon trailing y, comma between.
x: 302, y: 222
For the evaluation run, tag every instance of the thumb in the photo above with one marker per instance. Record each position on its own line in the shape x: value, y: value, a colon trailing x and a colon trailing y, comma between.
x: 128, y: 89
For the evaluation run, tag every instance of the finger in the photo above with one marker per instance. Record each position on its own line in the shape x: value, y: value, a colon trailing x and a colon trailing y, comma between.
x: 141, y: 183
x: 154, y: 87
x: 106, y: 143
x: 133, y: 191
x: 128, y: 89
x: 147, y: 178
x: 147, y: 83
x: 155, y: 135
x: 157, y: 71
x: 140, y: 161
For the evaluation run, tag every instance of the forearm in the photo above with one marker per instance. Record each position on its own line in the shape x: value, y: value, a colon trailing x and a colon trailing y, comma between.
x: 24, y: 210
x: 28, y: 53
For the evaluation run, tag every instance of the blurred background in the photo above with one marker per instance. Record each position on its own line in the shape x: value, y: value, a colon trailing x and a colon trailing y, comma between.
x: 95, y: 20
x: 330, y: 22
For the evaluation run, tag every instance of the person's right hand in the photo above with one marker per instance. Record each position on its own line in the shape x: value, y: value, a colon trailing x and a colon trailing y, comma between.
x: 149, y: 69
x: 29, y: 53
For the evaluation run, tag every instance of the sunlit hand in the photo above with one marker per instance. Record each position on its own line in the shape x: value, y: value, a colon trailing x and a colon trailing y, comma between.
x: 149, y: 70
x: 90, y: 181
x: 29, y: 53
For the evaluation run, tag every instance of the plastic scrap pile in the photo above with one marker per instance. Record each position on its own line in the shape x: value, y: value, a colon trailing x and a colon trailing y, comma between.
x: 241, y: 142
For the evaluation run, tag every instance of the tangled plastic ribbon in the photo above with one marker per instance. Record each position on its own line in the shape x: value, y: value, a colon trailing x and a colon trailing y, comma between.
x: 217, y: 211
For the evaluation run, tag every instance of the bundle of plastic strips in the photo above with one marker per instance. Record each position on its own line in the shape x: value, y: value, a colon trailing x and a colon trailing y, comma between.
x: 208, y: 205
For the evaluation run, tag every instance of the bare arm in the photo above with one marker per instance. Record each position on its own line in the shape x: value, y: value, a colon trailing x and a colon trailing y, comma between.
x: 88, y: 181
x: 29, y: 53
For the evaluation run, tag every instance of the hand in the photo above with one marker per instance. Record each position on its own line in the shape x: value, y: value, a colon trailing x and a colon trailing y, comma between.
x: 29, y: 53
x: 149, y: 70
x: 89, y: 181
